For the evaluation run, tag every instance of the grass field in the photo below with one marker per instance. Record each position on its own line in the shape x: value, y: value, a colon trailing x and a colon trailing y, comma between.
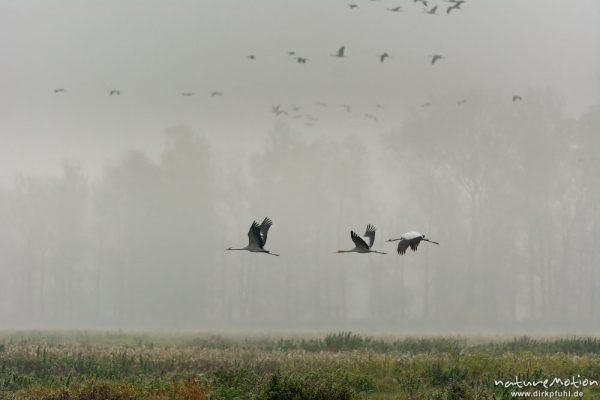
x: 95, y: 365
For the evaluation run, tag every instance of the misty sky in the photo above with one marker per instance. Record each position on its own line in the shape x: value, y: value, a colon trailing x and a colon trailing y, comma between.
x: 154, y: 50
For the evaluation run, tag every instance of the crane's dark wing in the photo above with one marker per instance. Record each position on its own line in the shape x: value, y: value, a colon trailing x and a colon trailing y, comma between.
x: 403, y: 245
x: 370, y: 233
x: 414, y: 244
x: 358, y: 241
x: 340, y: 52
x: 254, y: 236
x: 264, y: 229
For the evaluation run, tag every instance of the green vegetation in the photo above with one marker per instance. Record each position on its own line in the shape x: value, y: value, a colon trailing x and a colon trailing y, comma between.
x: 64, y: 366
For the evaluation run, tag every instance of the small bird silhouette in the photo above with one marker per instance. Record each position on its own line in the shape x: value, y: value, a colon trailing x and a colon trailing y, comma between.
x: 435, y: 57
x: 461, y: 102
x: 395, y: 9
x: 291, y: 53
x: 320, y: 103
x: 187, y: 94
x: 517, y: 97
x: 60, y: 90
x: 301, y: 60
x: 347, y: 107
x: 251, y: 57
x: 455, y: 6
x: 383, y: 56
x: 426, y: 104
x: 352, y: 6
x: 340, y: 53
x: 215, y: 93
x: 432, y: 11
x: 114, y: 91
x: 371, y: 116
x: 277, y: 110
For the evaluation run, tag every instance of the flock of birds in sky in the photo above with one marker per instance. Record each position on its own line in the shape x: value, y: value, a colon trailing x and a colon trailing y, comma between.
x: 257, y: 235
x: 257, y: 238
x: 294, y: 111
x: 431, y: 11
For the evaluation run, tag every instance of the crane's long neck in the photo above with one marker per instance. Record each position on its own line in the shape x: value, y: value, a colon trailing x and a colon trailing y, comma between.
x: 345, y: 251
x: 243, y: 248
x: 430, y: 241
x: 393, y: 240
x: 378, y: 252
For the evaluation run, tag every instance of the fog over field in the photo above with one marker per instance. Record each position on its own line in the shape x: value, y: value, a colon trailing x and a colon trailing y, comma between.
x: 116, y: 209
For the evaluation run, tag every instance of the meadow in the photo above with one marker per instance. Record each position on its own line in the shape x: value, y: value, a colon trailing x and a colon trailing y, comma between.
x: 118, y: 366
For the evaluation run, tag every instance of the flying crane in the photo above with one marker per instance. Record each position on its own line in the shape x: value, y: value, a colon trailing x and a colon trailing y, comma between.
x: 257, y: 237
x: 410, y: 239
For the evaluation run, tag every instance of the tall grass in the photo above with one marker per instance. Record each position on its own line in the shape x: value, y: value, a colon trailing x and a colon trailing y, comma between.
x: 340, y: 365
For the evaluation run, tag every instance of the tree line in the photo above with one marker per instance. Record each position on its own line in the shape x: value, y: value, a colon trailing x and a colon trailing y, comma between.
x: 510, y: 191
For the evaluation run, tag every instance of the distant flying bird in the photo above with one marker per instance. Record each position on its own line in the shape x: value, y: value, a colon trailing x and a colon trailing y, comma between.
x: 432, y: 11
x: 371, y: 116
x: 291, y: 53
x: 60, y: 90
x: 301, y: 60
x: 426, y: 104
x: 352, y: 6
x: 187, y: 94
x: 277, y: 110
x: 461, y: 102
x: 360, y: 246
x: 295, y: 107
x: 395, y: 9
x: 215, y: 93
x: 516, y: 97
x: 340, y: 52
x: 320, y: 103
x: 117, y: 92
x: 379, y: 106
x: 257, y: 237
x: 347, y: 107
x: 455, y: 6
x: 383, y: 56
x: 410, y: 239
x: 251, y: 57
x: 435, y: 57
